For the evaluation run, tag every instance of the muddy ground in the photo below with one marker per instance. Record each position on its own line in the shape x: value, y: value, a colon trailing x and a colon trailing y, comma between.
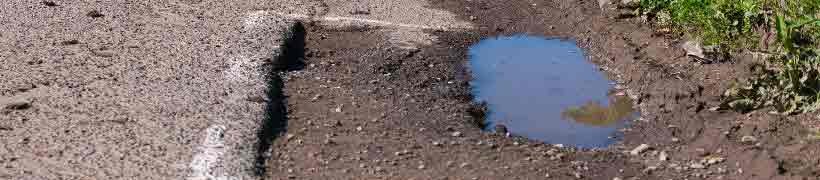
x: 360, y: 109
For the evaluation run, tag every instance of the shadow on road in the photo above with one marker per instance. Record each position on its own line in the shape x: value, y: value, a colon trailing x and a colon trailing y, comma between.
x: 275, y: 122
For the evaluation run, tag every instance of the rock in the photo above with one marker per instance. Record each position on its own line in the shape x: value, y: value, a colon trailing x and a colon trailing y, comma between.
x: 578, y: 175
x: 697, y: 166
x: 713, y: 160
x: 693, y: 48
x: 18, y: 105
x: 289, y: 136
x: 421, y: 166
x: 628, y: 3
x: 675, y: 140
x: 94, y: 14
x: 748, y: 139
x: 603, y: 3
x: 456, y: 134
x: 650, y: 169
x: 463, y: 165
x: 663, y: 156
x: 640, y: 149
x: 50, y: 3
x: 359, y: 128
x: 617, y: 178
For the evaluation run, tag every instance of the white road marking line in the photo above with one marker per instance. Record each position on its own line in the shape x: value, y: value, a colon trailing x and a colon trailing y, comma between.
x: 212, y: 149
x: 366, y: 21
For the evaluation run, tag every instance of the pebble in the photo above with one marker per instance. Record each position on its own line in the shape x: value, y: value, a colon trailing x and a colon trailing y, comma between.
x: 456, y: 134
x: 713, y: 160
x: 697, y: 166
x: 748, y: 139
x: 640, y: 149
x: 19, y: 105
x: 650, y: 169
x: 663, y: 156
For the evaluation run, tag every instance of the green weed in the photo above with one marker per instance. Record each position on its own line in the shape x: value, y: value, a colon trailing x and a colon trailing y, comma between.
x: 790, y: 82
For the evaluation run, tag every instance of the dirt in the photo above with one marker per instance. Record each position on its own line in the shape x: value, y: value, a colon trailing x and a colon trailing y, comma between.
x: 361, y: 109
x: 371, y: 89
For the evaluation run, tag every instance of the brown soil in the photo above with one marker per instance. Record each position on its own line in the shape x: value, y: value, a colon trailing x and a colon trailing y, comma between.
x: 362, y: 110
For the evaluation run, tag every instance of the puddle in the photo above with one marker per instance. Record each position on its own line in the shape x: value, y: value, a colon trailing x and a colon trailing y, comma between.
x: 545, y: 89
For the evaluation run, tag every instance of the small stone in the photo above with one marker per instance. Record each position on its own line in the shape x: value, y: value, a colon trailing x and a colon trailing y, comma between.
x: 289, y: 136
x: 713, y: 160
x: 578, y: 175
x: 463, y: 165
x: 473, y: 18
x: 617, y: 178
x: 19, y: 105
x: 640, y: 149
x: 650, y: 169
x: 329, y: 142
x: 358, y: 128
x: 697, y: 166
x: 693, y: 48
x: 663, y: 156
x: 436, y: 143
x: 628, y: 2
x: 94, y: 14
x: 50, y: 3
x: 338, y: 109
x: 675, y: 140
x: 456, y: 134
x: 748, y: 139
x: 421, y: 166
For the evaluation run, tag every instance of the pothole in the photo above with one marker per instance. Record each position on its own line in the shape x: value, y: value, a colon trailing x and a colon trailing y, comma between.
x: 545, y: 89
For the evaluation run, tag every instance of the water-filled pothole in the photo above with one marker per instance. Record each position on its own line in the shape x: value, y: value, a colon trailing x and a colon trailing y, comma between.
x: 545, y: 89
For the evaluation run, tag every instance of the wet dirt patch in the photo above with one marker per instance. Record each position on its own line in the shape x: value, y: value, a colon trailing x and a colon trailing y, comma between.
x: 545, y: 89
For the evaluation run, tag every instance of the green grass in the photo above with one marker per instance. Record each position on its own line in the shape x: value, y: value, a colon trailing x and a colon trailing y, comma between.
x: 790, y: 81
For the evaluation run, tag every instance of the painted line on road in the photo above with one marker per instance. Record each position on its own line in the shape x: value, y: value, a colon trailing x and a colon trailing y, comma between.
x: 360, y: 20
x: 212, y: 149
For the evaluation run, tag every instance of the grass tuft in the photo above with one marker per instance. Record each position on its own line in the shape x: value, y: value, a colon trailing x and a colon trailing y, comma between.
x: 790, y: 81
